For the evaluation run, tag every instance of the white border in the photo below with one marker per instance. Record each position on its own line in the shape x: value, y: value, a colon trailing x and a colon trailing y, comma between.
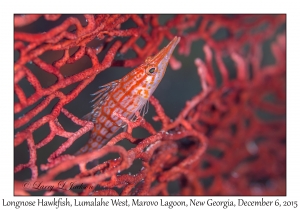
x: 154, y: 6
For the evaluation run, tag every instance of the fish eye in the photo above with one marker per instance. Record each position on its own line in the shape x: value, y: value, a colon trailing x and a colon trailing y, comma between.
x: 151, y: 70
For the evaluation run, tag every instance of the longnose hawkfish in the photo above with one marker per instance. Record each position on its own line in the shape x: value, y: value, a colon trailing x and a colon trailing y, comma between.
x: 125, y: 96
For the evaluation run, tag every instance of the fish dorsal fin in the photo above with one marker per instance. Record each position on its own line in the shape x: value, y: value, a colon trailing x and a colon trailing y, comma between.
x: 100, y: 97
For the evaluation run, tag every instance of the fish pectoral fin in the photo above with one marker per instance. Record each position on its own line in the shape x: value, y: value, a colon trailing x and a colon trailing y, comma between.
x: 144, y: 109
x: 133, y: 117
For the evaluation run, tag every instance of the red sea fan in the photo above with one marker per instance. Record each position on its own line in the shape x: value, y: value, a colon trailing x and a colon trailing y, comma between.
x: 228, y: 139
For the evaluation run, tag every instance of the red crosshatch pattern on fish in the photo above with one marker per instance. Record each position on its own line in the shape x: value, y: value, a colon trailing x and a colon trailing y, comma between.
x: 125, y: 96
